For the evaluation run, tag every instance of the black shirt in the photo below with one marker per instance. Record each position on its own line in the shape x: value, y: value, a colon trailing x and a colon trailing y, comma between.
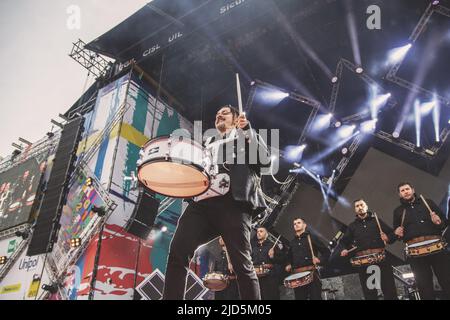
x: 365, y: 234
x: 299, y: 254
x: 417, y: 220
x: 260, y: 253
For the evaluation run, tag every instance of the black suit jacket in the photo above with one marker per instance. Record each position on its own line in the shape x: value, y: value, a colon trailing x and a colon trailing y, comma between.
x: 244, y: 167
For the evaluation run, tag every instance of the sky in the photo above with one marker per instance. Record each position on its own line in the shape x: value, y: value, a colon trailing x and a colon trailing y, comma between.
x: 38, y: 79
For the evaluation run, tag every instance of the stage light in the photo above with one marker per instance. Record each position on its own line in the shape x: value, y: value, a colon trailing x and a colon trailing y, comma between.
x: 100, y: 211
x: 53, y: 288
x: 164, y: 229
x: 397, y: 54
x: 322, y: 122
x: 294, y: 153
x: 369, y: 126
x: 3, y: 260
x: 396, y: 134
x: 418, y: 121
x: 346, y: 131
x: 50, y: 135
x: 23, y: 234
x: 435, y: 2
x: 427, y: 107
x: 345, y: 151
x: 75, y: 242
x: 252, y: 83
x: 359, y: 70
x: 436, y: 118
x: 337, y: 124
x: 377, y: 103
x: 15, y: 153
x: 334, y: 79
x: 273, y: 95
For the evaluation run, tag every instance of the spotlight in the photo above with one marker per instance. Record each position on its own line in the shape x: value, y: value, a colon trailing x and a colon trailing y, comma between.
x: 397, y: 54
x: 334, y: 79
x: 252, y: 83
x: 75, y: 242
x: 345, y: 151
x: 274, y: 96
x: 369, y: 126
x: 435, y: 2
x: 50, y: 135
x: 164, y: 229
x: 359, y: 70
x: 100, y: 211
x: 16, y: 152
x: 53, y: 288
x: 295, y: 152
x: 24, y: 234
x: 396, y: 134
x: 3, y: 260
x: 409, y: 275
x: 337, y: 124
x: 346, y: 131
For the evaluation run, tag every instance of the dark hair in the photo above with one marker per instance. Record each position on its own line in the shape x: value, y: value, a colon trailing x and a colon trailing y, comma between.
x: 357, y: 200
x: 401, y: 184
x: 234, y: 111
x: 299, y: 218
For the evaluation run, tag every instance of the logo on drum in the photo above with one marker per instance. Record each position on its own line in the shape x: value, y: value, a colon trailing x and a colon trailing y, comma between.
x: 240, y: 147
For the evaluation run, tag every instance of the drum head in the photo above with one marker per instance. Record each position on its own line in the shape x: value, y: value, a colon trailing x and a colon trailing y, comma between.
x: 423, y: 243
x: 174, y: 179
x: 297, y: 276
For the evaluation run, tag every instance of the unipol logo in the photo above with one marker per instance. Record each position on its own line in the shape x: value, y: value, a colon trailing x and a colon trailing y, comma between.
x: 231, y: 6
x: 28, y: 263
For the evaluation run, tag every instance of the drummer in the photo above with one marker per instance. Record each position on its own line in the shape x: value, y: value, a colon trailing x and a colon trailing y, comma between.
x: 229, y: 215
x: 265, y: 255
x: 223, y: 266
x: 364, y: 237
x: 301, y: 259
x: 413, y: 222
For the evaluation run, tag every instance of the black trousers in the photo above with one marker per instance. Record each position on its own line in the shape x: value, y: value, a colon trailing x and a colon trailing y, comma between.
x: 269, y: 287
x: 202, y: 222
x: 423, y: 268
x: 312, y: 291
x: 230, y: 293
x: 387, y: 282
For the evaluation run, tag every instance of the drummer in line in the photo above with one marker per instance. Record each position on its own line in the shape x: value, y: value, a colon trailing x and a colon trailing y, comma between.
x: 265, y: 256
x: 225, y: 267
x: 419, y: 220
x: 368, y: 235
x: 302, y: 257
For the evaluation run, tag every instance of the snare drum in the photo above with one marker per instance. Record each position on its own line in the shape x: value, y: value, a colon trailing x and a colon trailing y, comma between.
x: 262, y: 270
x: 174, y: 167
x: 215, y: 281
x: 299, y: 279
x: 368, y: 259
x: 425, y: 248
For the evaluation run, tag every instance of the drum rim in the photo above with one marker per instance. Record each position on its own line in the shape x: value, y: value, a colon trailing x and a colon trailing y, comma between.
x: 164, y: 159
x: 191, y: 141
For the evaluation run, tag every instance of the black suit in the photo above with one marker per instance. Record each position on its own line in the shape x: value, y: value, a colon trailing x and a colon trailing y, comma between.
x: 228, y: 216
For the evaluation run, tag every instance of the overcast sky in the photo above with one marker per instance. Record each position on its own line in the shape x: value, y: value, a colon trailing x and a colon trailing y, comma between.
x: 38, y: 80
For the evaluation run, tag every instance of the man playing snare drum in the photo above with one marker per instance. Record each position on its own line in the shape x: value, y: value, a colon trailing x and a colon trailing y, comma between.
x: 305, y: 254
x: 228, y: 215
x: 420, y: 222
x: 368, y: 237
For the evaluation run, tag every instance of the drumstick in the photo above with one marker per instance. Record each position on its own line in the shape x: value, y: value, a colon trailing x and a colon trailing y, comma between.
x: 239, y: 94
x: 426, y: 204
x: 312, y: 251
x: 379, y: 225
x: 352, y: 249
x: 275, y: 243
x: 403, y: 217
